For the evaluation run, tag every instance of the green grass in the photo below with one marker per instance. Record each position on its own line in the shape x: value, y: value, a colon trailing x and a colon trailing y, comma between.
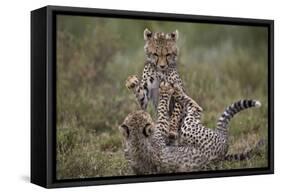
x: 85, y: 154
x: 218, y: 64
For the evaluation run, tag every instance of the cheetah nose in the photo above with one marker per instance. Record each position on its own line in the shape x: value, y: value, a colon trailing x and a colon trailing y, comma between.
x: 162, y: 66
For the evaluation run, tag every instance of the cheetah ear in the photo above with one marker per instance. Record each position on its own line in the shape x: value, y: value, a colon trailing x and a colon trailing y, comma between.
x: 175, y: 35
x: 147, y: 34
x: 147, y: 130
x: 124, y: 129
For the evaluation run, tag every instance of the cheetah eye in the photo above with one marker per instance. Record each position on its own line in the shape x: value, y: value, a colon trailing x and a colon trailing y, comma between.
x: 155, y: 54
x: 168, y: 55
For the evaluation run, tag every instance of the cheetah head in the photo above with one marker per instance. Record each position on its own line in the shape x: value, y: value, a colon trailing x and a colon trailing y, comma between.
x: 161, y: 48
x: 137, y: 124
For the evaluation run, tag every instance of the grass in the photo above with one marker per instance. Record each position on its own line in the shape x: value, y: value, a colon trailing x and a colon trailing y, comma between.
x: 218, y: 64
x: 84, y: 154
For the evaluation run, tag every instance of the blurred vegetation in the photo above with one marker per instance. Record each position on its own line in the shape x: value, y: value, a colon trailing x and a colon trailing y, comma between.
x: 219, y: 64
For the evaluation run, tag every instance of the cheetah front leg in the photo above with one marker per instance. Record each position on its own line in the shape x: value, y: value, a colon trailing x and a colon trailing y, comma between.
x: 140, y: 90
x: 165, y: 93
x: 175, y: 121
x: 144, y: 89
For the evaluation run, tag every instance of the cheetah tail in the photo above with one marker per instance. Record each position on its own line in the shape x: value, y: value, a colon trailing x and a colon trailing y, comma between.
x: 233, y: 109
x: 246, y: 155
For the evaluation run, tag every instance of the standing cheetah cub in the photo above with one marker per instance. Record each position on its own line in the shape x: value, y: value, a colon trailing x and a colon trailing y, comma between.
x: 161, y: 65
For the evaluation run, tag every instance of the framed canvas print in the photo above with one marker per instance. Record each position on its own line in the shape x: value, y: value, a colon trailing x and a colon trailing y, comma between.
x: 125, y: 96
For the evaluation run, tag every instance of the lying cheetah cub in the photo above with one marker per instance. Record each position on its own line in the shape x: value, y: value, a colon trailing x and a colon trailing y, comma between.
x: 146, y: 145
x: 161, y: 65
x: 212, y: 142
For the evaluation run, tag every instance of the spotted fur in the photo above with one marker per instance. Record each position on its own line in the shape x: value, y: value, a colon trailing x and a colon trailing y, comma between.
x: 146, y: 143
x: 146, y: 146
x: 161, y: 53
x: 213, y: 142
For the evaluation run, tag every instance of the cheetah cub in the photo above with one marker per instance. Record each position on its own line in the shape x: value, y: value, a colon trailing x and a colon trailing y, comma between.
x: 161, y: 65
x: 146, y: 146
x: 212, y: 142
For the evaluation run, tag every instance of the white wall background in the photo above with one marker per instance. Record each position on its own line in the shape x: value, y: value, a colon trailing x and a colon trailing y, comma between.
x: 15, y: 94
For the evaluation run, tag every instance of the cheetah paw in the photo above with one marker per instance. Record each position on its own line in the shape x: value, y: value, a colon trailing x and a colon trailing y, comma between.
x: 132, y: 81
x: 177, y: 89
x: 166, y: 88
x: 173, y: 135
x: 172, y: 138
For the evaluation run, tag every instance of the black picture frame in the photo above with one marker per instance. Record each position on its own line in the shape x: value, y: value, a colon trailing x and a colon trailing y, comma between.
x: 43, y: 95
